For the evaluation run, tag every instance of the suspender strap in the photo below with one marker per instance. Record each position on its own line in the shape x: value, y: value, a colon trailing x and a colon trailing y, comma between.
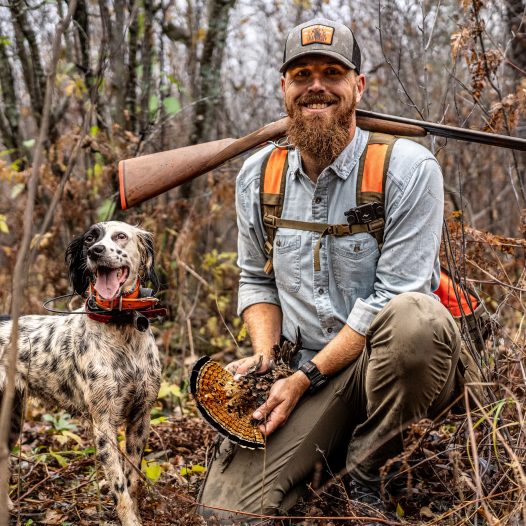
x: 372, y: 173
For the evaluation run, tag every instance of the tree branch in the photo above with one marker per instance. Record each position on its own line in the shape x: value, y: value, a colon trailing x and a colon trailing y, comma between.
x: 20, y: 267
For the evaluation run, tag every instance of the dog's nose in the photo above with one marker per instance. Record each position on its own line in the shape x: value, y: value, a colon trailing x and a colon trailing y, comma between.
x: 96, y: 251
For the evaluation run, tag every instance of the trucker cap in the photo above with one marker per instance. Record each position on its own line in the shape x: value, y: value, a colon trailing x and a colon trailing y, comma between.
x: 322, y: 37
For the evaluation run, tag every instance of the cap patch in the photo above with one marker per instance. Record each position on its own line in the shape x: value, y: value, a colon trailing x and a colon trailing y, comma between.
x: 317, y: 34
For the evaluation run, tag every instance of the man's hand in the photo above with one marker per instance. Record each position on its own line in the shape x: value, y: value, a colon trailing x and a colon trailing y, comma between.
x: 258, y: 363
x: 282, y: 399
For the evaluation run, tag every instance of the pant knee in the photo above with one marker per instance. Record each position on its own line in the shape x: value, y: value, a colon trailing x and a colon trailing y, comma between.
x: 411, y: 330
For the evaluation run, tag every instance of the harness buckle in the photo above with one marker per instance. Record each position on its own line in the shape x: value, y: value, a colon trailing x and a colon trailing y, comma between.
x: 377, y: 224
x: 270, y: 221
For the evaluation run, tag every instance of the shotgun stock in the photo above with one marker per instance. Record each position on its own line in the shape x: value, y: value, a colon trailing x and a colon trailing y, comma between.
x: 142, y: 178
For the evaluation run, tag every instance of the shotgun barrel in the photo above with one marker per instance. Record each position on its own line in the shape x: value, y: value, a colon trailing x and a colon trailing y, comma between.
x: 144, y: 177
x: 452, y: 132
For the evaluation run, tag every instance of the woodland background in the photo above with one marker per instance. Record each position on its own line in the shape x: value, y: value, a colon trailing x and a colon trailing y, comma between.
x: 133, y: 77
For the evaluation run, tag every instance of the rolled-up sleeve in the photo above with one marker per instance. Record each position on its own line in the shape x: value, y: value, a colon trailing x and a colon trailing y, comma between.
x: 255, y: 286
x: 409, y: 255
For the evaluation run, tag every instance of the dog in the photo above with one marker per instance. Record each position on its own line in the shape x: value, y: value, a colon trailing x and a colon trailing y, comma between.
x: 98, y: 362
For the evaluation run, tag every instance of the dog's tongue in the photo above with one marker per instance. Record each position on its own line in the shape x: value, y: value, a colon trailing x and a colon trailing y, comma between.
x: 109, y: 281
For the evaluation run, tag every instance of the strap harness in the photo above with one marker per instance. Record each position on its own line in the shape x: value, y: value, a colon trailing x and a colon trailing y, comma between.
x: 372, y: 174
x: 374, y: 162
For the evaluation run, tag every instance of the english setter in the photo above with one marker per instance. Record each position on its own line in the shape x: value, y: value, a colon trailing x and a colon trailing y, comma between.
x: 104, y: 366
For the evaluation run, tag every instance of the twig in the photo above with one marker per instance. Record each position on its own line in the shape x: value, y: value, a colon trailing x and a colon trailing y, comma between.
x: 496, y: 280
x: 20, y: 266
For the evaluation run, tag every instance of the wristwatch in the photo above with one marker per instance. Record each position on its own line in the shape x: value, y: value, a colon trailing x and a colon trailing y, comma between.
x: 316, y: 379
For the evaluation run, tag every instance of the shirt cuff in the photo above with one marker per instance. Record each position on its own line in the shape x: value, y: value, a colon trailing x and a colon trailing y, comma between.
x: 250, y: 296
x: 361, y: 316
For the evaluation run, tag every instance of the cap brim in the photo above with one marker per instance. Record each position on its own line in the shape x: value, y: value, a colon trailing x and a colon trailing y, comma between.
x: 327, y: 53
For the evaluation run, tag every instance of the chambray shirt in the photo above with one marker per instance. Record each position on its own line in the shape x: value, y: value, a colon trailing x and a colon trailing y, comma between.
x: 356, y: 280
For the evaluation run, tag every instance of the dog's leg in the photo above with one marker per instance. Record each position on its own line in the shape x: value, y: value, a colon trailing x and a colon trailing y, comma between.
x: 136, y: 437
x: 17, y: 419
x: 109, y: 456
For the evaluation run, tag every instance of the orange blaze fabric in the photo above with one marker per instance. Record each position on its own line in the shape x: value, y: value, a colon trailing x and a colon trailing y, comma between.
x: 274, y: 171
x: 373, y: 168
x: 448, y: 297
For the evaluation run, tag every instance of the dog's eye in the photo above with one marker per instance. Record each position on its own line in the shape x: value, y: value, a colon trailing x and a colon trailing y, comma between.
x: 89, y: 238
x: 122, y: 235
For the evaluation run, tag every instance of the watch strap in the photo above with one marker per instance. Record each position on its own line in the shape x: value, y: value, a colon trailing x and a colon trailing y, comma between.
x: 316, y: 378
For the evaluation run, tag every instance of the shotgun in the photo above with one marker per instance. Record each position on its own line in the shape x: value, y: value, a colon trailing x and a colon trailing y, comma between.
x: 142, y: 178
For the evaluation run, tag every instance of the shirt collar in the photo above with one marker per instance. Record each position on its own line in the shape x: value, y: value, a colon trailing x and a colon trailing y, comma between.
x: 343, y: 164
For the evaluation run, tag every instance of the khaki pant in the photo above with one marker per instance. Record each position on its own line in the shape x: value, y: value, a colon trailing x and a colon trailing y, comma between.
x: 356, y: 421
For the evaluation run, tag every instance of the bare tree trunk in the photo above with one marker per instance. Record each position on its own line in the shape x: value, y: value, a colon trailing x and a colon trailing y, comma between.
x: 117, y: 57
x: 209, y: 97
x: 10, y: 117
x: 146, y: 55
x: 131, y: 86
x: 31, y: 64
x: 83, y: 46
x: 21, y: 270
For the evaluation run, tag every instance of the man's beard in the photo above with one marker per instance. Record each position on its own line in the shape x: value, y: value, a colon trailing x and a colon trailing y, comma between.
x: 323, y: 136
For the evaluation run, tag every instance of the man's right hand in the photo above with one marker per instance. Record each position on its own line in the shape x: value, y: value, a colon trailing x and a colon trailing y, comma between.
x: 258, y: 363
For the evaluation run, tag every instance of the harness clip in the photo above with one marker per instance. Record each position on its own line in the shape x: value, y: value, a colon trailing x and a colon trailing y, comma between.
x: 270, y: 220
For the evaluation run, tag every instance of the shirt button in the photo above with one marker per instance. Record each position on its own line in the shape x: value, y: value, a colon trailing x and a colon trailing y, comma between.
x: 320, y: 291
x: 329, y: 330
x: 317, y: 200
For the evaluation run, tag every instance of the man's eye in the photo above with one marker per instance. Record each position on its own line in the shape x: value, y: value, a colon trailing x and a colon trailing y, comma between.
x: 303, y: 73
x: 332, y: 71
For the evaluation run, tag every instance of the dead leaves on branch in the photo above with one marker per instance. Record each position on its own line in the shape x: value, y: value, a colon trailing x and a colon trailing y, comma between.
x: 512, y: 107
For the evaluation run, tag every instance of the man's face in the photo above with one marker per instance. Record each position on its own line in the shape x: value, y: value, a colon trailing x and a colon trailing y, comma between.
x: 320, y: 96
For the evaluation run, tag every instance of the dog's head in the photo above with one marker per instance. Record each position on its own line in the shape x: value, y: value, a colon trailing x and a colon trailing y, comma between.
x: 112, y: 255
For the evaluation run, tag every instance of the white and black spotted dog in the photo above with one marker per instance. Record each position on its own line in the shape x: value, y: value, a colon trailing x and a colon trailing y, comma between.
x: 100, y: 366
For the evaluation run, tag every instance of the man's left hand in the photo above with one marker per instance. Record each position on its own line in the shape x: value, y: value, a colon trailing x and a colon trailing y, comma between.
x: 282, y: 399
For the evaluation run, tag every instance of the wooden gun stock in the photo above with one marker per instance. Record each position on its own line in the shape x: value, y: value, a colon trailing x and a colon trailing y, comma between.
x: 142, y: 178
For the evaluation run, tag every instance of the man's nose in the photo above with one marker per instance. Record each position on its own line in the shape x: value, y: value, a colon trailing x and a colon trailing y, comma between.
x: 316, y: 84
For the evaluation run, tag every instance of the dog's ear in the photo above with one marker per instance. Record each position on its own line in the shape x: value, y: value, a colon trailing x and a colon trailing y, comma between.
x: 76, y: 261
x: 147, y: 269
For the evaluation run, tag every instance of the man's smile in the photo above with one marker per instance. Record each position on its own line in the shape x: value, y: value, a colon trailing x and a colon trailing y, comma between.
x: 313, y: 104
x: 318, y: 106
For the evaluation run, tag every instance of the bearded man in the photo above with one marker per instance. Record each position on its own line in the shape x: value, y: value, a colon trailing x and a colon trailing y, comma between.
x: 379, y: 351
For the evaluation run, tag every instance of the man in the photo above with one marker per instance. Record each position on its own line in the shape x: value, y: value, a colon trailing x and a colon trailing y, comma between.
x: 380, y: 351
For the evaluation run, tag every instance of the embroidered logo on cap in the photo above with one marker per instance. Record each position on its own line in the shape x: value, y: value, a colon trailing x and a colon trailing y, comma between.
x: 317, y: 34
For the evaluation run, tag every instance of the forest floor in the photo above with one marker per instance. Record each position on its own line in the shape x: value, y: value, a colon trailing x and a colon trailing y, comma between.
x: 57, y: 481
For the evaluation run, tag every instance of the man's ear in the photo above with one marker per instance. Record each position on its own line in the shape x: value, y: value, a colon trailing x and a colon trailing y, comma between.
x: 283, y: 85
x: 360, y: 86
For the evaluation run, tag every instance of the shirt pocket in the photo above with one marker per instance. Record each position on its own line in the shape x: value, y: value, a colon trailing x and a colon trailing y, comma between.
x: 286, y: 262
x: 354, y: 260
